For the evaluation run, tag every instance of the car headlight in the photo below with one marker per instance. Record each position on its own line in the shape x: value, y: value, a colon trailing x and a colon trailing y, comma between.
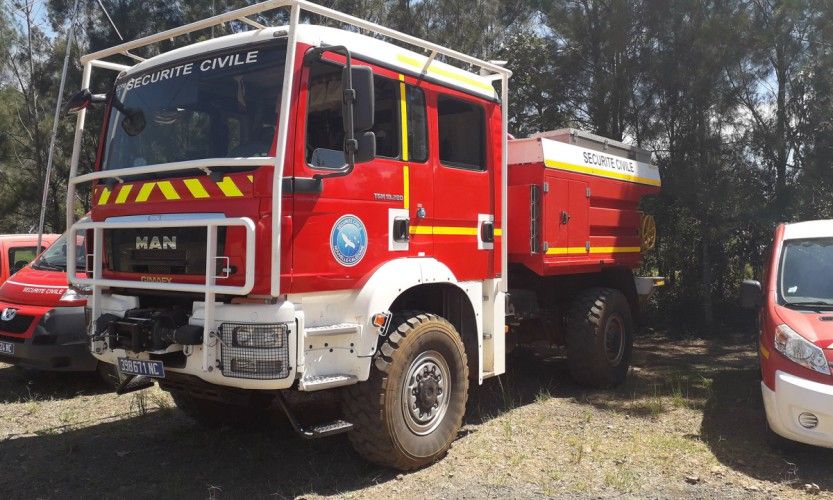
x: 800, y: 350
x: 75, y: 294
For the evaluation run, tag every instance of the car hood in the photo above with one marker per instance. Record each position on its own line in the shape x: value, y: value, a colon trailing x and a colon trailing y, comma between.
x: 34, y: 287
x: 817, y: 327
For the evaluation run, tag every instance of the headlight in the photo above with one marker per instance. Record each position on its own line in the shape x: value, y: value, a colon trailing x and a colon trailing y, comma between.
x: 75, y: 294
x: 800, y: 350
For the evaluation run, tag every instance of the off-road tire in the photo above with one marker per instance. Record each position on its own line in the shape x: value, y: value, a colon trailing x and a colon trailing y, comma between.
x: 211, y: 413
x: 585, y: 338
x: 381, y: 432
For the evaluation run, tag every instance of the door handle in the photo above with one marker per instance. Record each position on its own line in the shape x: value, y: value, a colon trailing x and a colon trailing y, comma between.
x: 401, y: 229
x: 487, y: 232
x: 565, y: 217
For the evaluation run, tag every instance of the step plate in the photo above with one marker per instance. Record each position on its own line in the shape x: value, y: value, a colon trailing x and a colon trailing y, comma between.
x: 330, y: 429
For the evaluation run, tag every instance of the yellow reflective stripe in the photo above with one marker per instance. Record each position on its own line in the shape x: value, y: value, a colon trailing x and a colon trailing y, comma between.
x: 229, y: 188
x: 593, y: 250
x: 456, y: 231
x: 196, y: 188
x: 444, y: 230
x: 560, y: 165
x: 124, y: 192
x: 144, y: 193
x: 168, y: 190
x: 410, y: 61
x: 403, y: 112
x: 498, y: 231
x: 251, y: 178
x: 105, y: 196
x: 406, y: 187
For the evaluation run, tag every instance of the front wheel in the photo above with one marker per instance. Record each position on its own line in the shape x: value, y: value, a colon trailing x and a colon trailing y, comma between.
x: 407, y: 414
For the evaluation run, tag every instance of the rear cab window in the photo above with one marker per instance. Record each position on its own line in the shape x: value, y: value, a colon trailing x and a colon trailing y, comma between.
x: 462, y: 133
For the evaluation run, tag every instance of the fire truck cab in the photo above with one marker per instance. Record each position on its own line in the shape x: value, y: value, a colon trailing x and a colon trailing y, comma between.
x: 305, y: 208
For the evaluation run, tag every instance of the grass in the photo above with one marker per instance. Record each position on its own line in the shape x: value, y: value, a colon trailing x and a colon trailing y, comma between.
x: 689, y: 407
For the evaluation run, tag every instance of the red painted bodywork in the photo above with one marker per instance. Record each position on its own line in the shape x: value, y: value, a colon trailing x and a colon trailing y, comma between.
x: 35, y: 292
x: 807, y: 323
x: 607, y: 218
x: 451, y: 199
x: 11, y: 241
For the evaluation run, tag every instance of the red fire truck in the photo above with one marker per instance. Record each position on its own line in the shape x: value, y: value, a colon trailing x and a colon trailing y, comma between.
x: 302, y: 208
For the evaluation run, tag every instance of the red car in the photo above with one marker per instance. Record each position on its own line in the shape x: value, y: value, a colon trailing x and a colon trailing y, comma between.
x: 41, y: 319
x: 796, y: 332
x: 17, y: 250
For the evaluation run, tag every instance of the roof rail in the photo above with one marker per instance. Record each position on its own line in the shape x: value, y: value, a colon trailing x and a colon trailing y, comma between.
x: 243, y: 14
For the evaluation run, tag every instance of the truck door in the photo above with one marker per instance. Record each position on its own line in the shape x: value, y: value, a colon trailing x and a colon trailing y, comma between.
x: 464, y: 204
x: 344, y: 232
x: 566, y: 205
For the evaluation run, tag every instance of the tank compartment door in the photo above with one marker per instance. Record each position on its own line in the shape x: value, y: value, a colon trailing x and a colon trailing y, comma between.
x: 566, y: 217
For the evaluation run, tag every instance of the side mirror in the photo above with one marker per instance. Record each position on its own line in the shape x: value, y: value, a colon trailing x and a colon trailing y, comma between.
x: 357, y: 85
x: 81, y: 100
x: 367, y: 147
x: 751, y: 294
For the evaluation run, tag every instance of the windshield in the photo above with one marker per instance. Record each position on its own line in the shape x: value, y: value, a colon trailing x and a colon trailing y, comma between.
x: 54, y: 258
x: 806, y: 268
x: 218, y: 105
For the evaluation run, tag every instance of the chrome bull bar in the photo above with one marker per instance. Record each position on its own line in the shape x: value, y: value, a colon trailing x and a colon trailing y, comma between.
x: 209, y: 289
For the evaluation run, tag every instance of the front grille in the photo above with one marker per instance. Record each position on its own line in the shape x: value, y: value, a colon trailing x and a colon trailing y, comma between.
x: 255, y: 351
x: 19, y: 324
x: 175, y: 250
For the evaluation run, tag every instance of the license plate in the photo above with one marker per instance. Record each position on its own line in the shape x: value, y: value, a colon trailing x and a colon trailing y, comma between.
x: 6, y: 348
x: 153, y: 369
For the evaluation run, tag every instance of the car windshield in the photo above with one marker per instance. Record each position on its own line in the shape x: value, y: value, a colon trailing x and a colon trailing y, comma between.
x: 217, y: 105
x: 806, y: 268
x: 54, y: 258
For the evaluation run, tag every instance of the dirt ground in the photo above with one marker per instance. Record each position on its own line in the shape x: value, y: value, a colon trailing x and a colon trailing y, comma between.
x: 688, y: 423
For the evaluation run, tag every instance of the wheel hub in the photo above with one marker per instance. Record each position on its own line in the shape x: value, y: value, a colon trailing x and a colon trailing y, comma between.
x: 425, y: 393
x: 615, y: 339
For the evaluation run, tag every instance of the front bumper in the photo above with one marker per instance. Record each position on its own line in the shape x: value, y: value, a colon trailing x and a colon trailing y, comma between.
x: 54, y: 341
x: 792, y: 397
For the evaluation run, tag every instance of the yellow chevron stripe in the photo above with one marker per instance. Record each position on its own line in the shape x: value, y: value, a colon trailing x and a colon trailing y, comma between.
x: 593, y: 250
x: 105, y: 196
x: 251, y: 178
x: 124, y: 192
x: 196, y: 188
x: 168, y: 190
x: 144, y: 193
x: 570, y: 167
x: 229, y: 188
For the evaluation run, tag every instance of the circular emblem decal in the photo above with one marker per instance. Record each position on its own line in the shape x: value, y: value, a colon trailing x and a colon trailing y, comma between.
x: 8, y: 314
x: 348, y: 240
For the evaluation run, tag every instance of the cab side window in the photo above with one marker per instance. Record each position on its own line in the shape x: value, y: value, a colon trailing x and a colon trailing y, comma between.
x: 462, y: 130
x: 325, y: 132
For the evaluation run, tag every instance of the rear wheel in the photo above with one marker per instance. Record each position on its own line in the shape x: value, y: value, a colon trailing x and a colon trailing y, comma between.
x: 407, y: 414
x: 599, y: 338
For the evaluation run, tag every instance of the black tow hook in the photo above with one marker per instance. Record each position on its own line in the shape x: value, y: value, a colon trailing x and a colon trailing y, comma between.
x: 133, y: 383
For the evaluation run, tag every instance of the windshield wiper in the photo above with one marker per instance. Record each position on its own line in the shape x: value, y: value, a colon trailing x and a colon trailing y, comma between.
x: 45, y: 265
x: 811, y: 303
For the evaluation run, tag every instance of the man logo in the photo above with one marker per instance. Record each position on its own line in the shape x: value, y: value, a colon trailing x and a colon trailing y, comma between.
x: 8, y: 314
x: 148, y: 243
